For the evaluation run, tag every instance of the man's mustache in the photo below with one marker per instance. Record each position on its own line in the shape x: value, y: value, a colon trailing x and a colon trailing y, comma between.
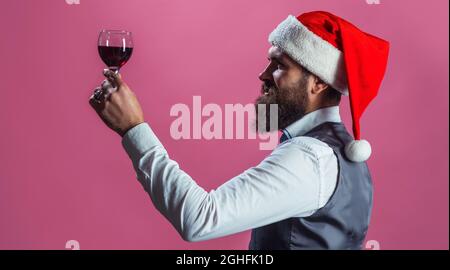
x: 265, y: 87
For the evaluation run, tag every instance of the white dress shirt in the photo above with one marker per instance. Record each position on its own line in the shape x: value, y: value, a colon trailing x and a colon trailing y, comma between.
x: 295, y: 180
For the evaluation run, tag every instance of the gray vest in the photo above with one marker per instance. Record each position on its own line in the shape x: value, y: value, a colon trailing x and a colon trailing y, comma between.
x: 342, y: 223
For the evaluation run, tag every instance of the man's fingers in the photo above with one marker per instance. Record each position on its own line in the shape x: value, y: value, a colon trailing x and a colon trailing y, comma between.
x: 106, y: 84
x: 95, y: 103
x: 108, y: 88
x: 113, y: 77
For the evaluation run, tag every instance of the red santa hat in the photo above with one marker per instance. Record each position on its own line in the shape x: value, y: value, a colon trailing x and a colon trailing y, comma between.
x: 346, y: 58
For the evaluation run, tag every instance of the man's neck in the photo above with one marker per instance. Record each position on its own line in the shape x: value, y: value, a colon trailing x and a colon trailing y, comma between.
x: 312, y: 119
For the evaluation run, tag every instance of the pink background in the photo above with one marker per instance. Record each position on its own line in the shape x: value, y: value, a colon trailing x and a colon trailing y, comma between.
x: 64, y: 175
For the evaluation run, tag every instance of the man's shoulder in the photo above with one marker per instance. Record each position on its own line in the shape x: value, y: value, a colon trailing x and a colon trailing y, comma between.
x: 309, y: 145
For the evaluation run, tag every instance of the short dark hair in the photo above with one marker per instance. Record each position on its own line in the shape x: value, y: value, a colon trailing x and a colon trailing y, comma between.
x: 332, y: 95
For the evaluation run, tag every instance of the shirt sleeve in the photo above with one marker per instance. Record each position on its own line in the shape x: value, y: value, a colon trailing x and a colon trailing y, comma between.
x: 285, y: 184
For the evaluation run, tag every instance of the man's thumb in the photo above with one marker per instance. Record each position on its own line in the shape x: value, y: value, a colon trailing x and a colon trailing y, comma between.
x: 113, y: 77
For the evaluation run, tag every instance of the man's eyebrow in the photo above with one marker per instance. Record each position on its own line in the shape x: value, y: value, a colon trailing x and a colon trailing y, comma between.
x: 276, y: 58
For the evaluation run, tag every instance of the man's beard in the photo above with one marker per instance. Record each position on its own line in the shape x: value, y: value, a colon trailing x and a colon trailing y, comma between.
x: 292, y: 104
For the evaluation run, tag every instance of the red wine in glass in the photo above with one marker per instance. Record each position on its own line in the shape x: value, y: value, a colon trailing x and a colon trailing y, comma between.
x: 115, y: 48
x: 114, y: 57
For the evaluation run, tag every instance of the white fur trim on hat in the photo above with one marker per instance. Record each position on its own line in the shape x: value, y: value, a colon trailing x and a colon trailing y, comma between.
x: 358, y: 150
x: 312, y: 52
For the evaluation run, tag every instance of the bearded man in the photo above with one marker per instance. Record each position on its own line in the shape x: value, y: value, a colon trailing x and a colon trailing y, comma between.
x: 314, y: 191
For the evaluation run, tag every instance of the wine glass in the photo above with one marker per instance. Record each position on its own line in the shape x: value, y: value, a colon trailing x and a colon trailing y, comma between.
x: 115, y: 48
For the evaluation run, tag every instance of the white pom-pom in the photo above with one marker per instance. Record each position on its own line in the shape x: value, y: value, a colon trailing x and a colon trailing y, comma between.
x: 358, y: 150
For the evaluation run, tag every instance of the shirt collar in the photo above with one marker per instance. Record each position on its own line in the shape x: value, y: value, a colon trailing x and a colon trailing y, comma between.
x: 311, y: 120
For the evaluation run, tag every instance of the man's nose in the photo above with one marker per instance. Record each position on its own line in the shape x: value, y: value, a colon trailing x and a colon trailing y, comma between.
x: 265, y: 75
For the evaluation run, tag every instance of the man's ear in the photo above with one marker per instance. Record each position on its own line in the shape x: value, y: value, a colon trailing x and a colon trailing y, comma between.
x: 318, y: 85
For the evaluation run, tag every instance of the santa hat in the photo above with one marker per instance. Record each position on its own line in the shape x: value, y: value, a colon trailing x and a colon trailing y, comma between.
x: 346, y: 58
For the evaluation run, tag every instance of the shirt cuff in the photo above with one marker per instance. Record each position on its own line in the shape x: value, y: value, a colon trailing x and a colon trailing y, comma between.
x: 139, y: 140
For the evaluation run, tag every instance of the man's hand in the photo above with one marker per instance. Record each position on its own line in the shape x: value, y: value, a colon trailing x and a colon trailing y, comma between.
x: 119, y: 109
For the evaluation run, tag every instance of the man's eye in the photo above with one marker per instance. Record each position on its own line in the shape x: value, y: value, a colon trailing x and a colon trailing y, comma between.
x: 281, y: 66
